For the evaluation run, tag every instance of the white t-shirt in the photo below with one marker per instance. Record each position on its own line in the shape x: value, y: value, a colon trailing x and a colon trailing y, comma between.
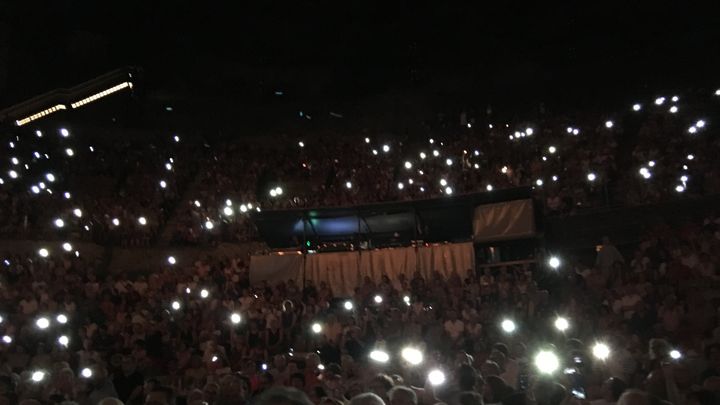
x: 454, y: 329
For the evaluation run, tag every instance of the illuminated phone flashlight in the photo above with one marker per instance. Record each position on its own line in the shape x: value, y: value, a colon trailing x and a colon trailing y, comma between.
x: 7, y: 339
x: 601, y: 351
x: 636, y: 107
x: 171, y: 260
x: 378, y: 299
x: 546, y: 362
x: 142, y: 221
x: 235, y: 318
x: 264, y: 366
x: 77, y: 212
x: 508, y: 326
x: 316, y: 328
x: 561, y: 324
x: 675, y: 354
x: 321, y: 367
x: 554, y: 262
x: 64, y: 340
x: 609, y: 124
x: 591, y: 176
x: 214, y: 359
x: 204, y: 293
x: 412, y: 355
x: 86, y: 372
x: 42, y: 323
x: 348, y: 305
x: 67, y: 247
x: 175, y: 305
x: 406, y: 299
x: 187, y: 290
x: 61, y: 319
x: 37, y: 376
x: 436, y: 377
x: 379, y: 356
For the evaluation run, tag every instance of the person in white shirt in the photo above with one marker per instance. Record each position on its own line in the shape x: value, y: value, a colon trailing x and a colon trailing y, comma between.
x: 453, y: 326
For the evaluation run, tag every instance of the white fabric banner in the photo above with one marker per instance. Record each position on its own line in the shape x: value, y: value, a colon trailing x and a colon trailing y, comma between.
x: 503, y: 221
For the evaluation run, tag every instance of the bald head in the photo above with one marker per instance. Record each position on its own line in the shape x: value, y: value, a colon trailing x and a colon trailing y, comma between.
x: 634, y: 397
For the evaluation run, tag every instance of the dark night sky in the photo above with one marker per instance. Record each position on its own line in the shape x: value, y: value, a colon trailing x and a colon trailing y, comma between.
x: 330, y: 52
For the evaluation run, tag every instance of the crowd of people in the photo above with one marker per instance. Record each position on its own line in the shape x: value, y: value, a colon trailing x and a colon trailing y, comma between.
x: 203, y: 334
x: 131, y: 186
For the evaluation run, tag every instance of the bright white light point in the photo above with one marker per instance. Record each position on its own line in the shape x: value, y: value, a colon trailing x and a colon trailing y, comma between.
x: 42, y: 323
x: 410, y: 181
x: 504, y: 169
x: 67, y: 195
x: 684, y: 178
x: 197, y: 203
x: 673, y: 109
x: 301, y: 144
x: 422, y: 189
x: 636, y: 107
x: 675, y: 99
x: 171, y: 260
x: 235, y: 318
x: 700, y: 124
x: 679, y: 188
x: 348, y: 305
x: 692, y: 130
x: 348, y: 185
x: 659, y: 100
x: 432, y: 140
x: 249, y: 206
x: 552, y: 149
x: 544, y: 158
x: 591, y: 177
x: 651, y: 163
x: 243, y: 208
x: 15, y: 161
x: 163, y: 184
x: 367, y: 140
x: 62, y: 319
x: 401, y: 186
x: 316, y: 328
x: 13, y: 174
x: 436, y: 377
x: 227, y: 211
x: 690, y: 157
x: 569, y: 130
x: 116, y: 221
x: 469, y: 125
x: 168, y: 166
x: 37, y: 376
x: 443, y: 182
x: 204, y: 293
x: 77, y: 212
x: 422, y: 155
x: 69, y: 152
x: 50, y: 177
x: 209, y: 224
x: 38, y: 133
x: 601, y: 351
x: 554, y: 178
x: 561, y: 324
x: 609, y: 124
x: 575, y: 131
x: 448, y: 190
x: 436, y: 153
x: 508, y: 326
x: 214, y: 359
x: 379, y: 356
x: 374, y: 152
x: 406, y: 299
x: 675, y: 354
x: 412, y: 355
x: 278, y: 190
x: 529, y: 131
x: 378, y: 299
x: 643, y: 170
x: 176, y: 138
x: 35, y: 189
x: 67, y: 247
x: 59, y: 223
x: 86, y: 373
x: 64, y: 132
x: 539, y: 182
x: 489, y: 187
x: 142, y: 221
x: 187, y: 290
x: 554, y: 262
x: 717, y: 92
x: 448, y: 162
x: 408, y: 165
x: 386, y: 148
x: 7, y: 339
x: 64, y: 340
x: 546, y: 362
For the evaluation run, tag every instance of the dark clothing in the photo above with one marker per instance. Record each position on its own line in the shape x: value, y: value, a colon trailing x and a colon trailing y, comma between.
x: 125, y: 385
